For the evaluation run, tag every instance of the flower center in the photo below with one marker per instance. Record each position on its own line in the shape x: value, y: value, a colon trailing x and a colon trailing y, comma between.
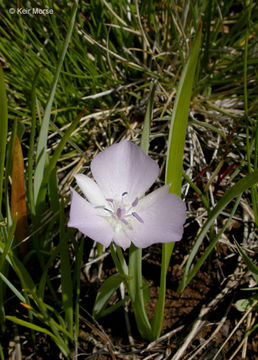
x: 121, y: 211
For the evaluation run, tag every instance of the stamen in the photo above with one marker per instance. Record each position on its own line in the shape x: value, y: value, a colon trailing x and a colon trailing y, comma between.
x: 124, y: 221
x: 110, y: 211
x: 124, y: 193
x: 119, y: 213
x: 110, y: 200
x: 137, y: 217
x: 135, y: 202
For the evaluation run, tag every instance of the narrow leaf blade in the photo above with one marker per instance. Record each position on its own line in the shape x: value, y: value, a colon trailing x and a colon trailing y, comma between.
x: 174, y: 165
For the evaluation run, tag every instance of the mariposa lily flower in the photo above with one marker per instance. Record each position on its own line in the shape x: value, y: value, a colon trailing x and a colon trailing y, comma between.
x: 116, y: 208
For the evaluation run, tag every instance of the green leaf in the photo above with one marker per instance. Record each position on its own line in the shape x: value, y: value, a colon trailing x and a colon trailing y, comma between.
x: 107, y: 289
x: 174, y: 165
x: 244, y: 305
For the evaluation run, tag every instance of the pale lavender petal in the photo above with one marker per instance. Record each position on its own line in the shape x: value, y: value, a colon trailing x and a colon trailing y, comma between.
x: 83, y: 216
x: 163, y: 215
x: 121, y: 239
x: 124, y: 167
x: 91, y: 190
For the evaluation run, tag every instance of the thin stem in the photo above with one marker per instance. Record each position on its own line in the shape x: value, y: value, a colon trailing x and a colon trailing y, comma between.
x: 159, y: 313
x: 135, y: 289
x: 116, y: 260
x: 122, y: 260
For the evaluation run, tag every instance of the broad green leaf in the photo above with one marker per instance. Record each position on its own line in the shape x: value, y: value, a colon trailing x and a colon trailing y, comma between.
x: 42, y: 142
x: 3, y: 132
x: 174, y: 164
x: 176, y: 142
x: 106, y: 290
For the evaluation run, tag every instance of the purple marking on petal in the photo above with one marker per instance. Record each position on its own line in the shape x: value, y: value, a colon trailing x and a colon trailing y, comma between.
x: 135, y: 202
x: 124, y: 221
x: 137, y: 217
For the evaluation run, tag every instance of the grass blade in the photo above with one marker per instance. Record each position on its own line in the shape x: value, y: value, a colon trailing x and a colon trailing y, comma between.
x: 78, y: 263
x: 145, y: 138
x: 3, y: 131
x: 250, y: 265
x: 42, y: 142
x: 31, y: 145
x: 12, y: 288
x: 66, y: 280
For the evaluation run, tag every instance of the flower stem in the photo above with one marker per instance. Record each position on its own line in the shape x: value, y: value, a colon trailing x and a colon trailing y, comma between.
x: 133, y: 283
x: 116, y: 260
x: 159, y: 311
x: 135, y: 289
x: 122, y: 260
